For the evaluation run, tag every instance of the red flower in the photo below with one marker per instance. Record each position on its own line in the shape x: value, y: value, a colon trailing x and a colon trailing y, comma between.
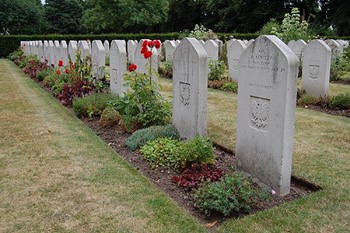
x: 157, y: 44
x: 72, y: 66
x: 150, y: 44
x: 145, y: 43
x: 60, y: 63
x: 67, y: 71
x: 143, y: 50
x: 58, y: 72
x: 132, y: 67
x: 147, y: 54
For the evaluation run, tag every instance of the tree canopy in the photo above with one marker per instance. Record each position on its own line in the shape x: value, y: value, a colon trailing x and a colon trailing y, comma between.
x: 132, y: 16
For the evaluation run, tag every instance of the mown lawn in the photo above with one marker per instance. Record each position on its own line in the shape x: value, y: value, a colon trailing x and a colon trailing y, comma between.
x: 56, y: 175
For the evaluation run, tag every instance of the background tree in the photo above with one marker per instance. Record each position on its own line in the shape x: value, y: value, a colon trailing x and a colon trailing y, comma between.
x: 21, y: 17
x: 125, y: 15
x: 63, y: 16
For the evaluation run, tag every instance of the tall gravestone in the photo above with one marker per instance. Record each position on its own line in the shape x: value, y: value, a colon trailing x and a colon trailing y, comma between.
x: 169, y: 50
x: 335, y: 48
x: 316, y: 68
x: 46, y: 51
x: 106, y: 45
x: 131, y: 47
x: 212, y: 49
x: 297, y: 47
x: 234, y: 50
x: 41, y: 51
x: 72, y: 50
x: 83, y: 48
x: 57, y: 52
x: 117, y: 64
x: 190, y: 92
x: 52, y: 53
x: 98, y: 59
x: 64, y: 53
x: 266, y: 112
x: 143, y: 64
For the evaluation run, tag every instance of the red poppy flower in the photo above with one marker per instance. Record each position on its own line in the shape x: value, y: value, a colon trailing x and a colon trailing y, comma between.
x: 58, y: 72
x: 145, y: 43
x: 143, y: 50
x: 72, y: 66
x: 157, y: 44
x: 150, y: 44
x: 67, y: 71
x: 147, y: 54
x: 132, y: 67
x: 60, y: 63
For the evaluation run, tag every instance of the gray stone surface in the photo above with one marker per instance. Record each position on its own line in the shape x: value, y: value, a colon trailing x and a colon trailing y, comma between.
x: 46, y: 51
x: 117, y: 64
x: 106, y: 45
x: 83, y: 48
x: 169, y: 50
x: 316, y: 68
x: 131, y: 47
x: 190, y: 95
x: 41, y: 51
x: 297, y: 47
x: 52, y: 53
x: 64, y: 53
x: 336, y: 49
x: 72, y: 49
x: 57, y: 52
x: 234, y: 50
x: 266, y: 112
x: 98, y: 59
x: 212, y: 49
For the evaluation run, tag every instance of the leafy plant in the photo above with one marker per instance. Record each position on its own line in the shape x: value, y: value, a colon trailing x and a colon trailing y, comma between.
x: 197, y: 150
x: 92, y: 105
x: 340, y: 65
x: 142, y: 136
x: 166, y: 69
x: 160, y: 153
x: 307, y: 99
x: 341, y: 101
x: 217, y: 70
x: 201, y: 33
x: 233, y: 193
x: 229, y: 86
x: 43, y: 74
x: 193, y: 176
x: 109, y: 117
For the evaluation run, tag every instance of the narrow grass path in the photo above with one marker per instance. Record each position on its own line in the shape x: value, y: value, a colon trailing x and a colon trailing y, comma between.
x: 56, y: 175
x: 321, y: 155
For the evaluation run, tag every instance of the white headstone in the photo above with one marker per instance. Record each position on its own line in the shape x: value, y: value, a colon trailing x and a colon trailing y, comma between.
x: 250, y: 42
x: 64, y: 53
x: 316, y: 68
x: 169, y: 50
x: 106, y: 45
x: 212, y: 49
x: 234, y: 51
x: 41, y: 51
x: 335, y: 47
x: 57, y: 52
x: 131, y: 46
x: 117, y: 64
x: 46, y: 51
x: 297, y: 47
x: 143, y: 64
x: 98, y: 59
x: 52, y: 53
x: 83, y: 48
x: 266, y: 112
x: 72, y: 49
x: 190, y: 91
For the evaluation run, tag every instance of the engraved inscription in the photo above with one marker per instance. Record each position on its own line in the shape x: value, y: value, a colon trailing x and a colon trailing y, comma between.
x: 114, y: 76
x: 185, y: 93
x: 314, y: 71
x: 235, y: 64
x: 259, y: 110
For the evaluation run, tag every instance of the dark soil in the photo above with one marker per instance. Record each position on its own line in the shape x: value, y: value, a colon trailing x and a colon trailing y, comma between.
x: 162, y: 178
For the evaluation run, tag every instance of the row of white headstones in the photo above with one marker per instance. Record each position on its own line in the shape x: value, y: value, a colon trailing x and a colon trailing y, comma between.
x: 267, y: 79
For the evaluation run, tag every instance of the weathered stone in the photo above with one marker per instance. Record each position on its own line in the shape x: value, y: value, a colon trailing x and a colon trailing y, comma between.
x: 131, y: 46
x: 267, y: 90
x: 234, y: 50
x: 212, y: 49
x: 98, y: 59
x: 169, y: 50
x: 51, y: 53
x: 57, y: 52
x: 316, y: 68
x: 64, y: 53
x: 190, y: 88
x: 106, y: 45
x: 72, y: 49
x: 83, y: 48
x: 117, y: 63
x: 297, y: 47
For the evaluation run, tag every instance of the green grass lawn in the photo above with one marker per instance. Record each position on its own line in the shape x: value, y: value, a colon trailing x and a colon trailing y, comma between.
x: 57, y: 175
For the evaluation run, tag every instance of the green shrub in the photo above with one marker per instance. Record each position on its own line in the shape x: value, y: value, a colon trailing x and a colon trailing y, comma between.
x: 109, y: 117
x: 229, y: 86
x: 142, y: 136
x: 307, y: 99
x: 218, y: 70
x: 42, y: 74
x: 166, y: 69
x: 341, y: 101
x: 92, y: 105
x: 201, y: 33
x: 233, y: 193
x: 160, y: 153
x: 197, y: 150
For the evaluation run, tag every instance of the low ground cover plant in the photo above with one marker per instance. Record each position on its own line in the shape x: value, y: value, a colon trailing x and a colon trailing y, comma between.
x: 337, y: 102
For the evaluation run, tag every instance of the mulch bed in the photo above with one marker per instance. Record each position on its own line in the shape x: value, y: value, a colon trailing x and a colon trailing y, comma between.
x: 162, y: 178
